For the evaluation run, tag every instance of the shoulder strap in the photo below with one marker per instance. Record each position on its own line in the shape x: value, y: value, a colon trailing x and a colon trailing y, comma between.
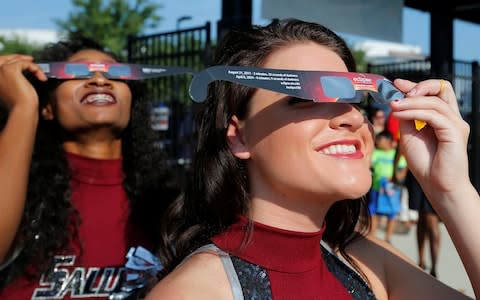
x: 227, y: 265
x: 330, y: 251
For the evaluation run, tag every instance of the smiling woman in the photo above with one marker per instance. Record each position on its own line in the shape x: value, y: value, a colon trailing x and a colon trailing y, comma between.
x: 80, y: 177
x: 89, y: 104
x: 274, y: 208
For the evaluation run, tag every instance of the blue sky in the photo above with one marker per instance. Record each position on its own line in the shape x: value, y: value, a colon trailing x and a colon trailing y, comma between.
x: 35, y: 14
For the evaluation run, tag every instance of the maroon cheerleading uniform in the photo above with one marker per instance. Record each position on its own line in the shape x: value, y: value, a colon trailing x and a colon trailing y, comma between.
x: 92, y: 266
x: 281, y: 264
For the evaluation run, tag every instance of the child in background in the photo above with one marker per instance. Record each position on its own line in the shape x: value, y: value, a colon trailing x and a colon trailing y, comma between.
x: 385, y: 168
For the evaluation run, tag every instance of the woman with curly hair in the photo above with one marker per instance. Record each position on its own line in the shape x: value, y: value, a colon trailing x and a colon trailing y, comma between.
x: 80, y: 179
x: 274, y: 208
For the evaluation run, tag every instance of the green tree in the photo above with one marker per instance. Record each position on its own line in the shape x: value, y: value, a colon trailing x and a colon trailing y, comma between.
x: 359, y: 55
x: 110, y: 22
x: 17, y: 44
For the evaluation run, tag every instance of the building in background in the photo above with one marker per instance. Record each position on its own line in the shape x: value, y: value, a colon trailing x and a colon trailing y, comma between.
x: 383, y: 52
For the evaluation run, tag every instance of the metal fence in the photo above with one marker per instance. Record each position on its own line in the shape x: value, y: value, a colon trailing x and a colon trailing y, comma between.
x: 418, y: 70
x: 189, y: 48
x: 465, y: 80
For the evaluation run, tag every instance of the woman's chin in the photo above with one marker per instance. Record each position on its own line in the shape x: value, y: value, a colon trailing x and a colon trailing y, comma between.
x: 355, y: 191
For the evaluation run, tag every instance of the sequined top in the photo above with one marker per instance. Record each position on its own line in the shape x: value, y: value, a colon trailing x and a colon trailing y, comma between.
x: 281, y: 264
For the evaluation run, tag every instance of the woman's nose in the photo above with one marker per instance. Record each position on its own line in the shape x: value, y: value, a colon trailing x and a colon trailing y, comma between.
x: 347, y: 116
x: 98, y: 79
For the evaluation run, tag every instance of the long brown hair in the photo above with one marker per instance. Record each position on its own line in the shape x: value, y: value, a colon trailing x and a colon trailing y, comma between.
x: 48, y: 209
x: 218, y: 189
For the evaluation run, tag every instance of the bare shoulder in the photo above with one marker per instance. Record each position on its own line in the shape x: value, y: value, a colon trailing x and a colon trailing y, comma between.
x: 202, y: 276
x: 392, y: 275
x: 374, y: 251
x: 369, y: 255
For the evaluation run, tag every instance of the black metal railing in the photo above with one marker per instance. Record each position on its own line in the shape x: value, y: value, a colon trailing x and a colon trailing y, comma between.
x: 188, y: 48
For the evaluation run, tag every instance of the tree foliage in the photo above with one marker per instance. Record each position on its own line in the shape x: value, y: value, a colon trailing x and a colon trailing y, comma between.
x: 359, y: 55
x: 17, y: 44
x: 111, y: 21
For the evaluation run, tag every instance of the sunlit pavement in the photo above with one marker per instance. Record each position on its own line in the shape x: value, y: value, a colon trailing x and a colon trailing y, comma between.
x: 449, y: 267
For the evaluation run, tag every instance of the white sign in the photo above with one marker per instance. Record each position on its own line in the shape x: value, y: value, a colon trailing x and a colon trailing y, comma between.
x: 159, y: 118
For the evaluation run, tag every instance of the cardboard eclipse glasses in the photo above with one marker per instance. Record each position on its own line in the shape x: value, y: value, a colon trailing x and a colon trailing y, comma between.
x: 319, y: 86
x: 121, y: 71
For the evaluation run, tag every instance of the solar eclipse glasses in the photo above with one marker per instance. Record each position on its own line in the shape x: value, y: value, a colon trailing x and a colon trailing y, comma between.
x: 319, y: 86
x: 120, y: 71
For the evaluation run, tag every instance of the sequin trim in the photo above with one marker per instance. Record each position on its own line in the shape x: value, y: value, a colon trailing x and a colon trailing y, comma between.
x: 253, y: 279
x: 354, y: 284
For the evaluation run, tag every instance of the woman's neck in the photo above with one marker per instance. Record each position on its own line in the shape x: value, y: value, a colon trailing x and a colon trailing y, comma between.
x: 302, y: 217
x: 98, y: 149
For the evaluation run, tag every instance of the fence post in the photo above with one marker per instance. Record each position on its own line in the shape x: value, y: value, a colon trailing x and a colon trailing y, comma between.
x: 130, y: 39
x: 207, y: 54
x: 235, y: 14
x: 475, y: 127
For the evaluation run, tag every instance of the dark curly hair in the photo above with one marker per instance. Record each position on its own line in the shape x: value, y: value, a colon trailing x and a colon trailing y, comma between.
x: 218, y: 191
x: 149, y: 182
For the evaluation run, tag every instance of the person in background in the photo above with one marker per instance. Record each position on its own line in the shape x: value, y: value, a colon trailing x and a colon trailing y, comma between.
x: 407, y: 216
x: 428, y: 224
x: 80, y: 179
x: 392, y: 125
x: 274, y: 210
x: 385, y: 168
x: 376, y: 116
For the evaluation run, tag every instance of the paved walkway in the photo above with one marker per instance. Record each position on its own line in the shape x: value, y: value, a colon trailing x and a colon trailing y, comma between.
x: 449, y: 267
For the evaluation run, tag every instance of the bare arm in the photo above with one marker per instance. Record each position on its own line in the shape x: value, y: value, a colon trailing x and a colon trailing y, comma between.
x: 16, y: 142
x: 437, y: 156
x: 393, y: 276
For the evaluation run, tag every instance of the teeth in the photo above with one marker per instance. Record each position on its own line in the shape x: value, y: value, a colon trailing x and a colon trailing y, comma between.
x: 339, y: 149
x: 98, y: 99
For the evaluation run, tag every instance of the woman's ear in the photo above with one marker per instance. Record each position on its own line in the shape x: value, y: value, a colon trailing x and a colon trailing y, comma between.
x: 236, y: 140
x: 47, y: 112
